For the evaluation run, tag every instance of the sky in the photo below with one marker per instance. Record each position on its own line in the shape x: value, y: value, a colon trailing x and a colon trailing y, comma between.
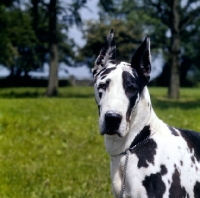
x: 90, y: 12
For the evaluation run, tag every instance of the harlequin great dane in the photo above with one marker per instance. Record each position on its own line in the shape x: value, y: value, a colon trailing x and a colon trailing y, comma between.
x: 148, y: 157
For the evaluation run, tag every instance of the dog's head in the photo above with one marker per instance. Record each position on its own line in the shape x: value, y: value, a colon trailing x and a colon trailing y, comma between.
x: 118, y: 86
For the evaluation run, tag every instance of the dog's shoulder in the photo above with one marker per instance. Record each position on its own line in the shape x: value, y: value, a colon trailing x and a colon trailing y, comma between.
x: 192, y: 139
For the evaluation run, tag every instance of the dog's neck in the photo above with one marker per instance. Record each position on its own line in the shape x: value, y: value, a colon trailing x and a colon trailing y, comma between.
x: 143, y: 115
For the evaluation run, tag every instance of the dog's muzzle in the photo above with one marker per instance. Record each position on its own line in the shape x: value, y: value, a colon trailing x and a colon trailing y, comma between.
x: 112, y: 122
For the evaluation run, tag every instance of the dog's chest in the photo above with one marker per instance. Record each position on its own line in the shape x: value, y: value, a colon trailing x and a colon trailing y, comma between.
x: 159, y: 169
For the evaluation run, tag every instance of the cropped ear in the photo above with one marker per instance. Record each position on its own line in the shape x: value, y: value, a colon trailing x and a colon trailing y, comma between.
x: 107, y: 54
x: 141, y: 60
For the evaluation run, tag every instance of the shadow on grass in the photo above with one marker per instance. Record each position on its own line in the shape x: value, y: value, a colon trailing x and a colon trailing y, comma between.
x: 163, y: 103
x: 41, y: 94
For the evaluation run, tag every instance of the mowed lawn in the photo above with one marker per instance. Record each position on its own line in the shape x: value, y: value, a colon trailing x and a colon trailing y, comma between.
x: 51, y: 147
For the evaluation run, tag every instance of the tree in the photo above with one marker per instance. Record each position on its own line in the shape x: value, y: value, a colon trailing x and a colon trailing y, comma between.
x: 36, y: 32
x: 173, y: 91
x: 52, y: 89
x: 178, y: 18
x: 127, y: 35
x: 18, y: 40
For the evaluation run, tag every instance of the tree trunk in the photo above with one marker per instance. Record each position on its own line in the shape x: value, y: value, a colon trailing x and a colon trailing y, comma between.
x: 173, y: 90
x: 52, y: 89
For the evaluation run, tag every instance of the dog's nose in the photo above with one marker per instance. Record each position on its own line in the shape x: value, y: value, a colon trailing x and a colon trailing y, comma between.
x: 112, y: 121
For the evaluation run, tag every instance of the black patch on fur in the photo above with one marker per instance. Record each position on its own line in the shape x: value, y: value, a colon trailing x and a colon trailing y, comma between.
x: 146, y: 153
x: 102, y: 77
x: 94, y: 72
x: 163, y: 170
x: 154, y: 185
x: 144, y: 133
x: 173, y: 131
x: 136, y: 85
x: 117, y: 63
x: 100, y: 95
x: 100, y: 71
x: 193, y: 141
x: 107, y: 71
x: 197, y: 190
x: 176, y: 190
x: 193, y: 159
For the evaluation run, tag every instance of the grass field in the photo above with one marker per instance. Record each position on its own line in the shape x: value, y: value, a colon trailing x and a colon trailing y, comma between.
x: 51, y: 148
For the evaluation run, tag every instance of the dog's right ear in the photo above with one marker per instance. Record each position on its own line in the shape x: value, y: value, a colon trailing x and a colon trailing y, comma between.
x: 107, y: 54
x: 141, y: 60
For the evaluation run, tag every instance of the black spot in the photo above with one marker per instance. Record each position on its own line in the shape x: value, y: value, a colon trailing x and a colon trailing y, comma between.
x: 193, y: 141
x: 173, y: 131
x: 117, y: 63
x: 101, y: 71
x: 94, y: 72
x: 107, y: 71
x: 102, y: 77
x: 145, y: 153
x: 181, y: 162
x: 144, y: 133
x: 136, y: 86
x: 197, y: 190
x: 193, y: 159
x: 175, y: 189
x: 154, y: 186
x: 163, y: 170
x: 174, y: 165
x: 100, y: 95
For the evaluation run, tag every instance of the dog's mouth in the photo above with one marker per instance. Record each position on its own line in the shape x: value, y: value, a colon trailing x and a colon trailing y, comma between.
x: 111, y: 132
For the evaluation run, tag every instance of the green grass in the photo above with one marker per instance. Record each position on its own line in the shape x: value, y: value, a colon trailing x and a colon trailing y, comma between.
x: 51, y: 147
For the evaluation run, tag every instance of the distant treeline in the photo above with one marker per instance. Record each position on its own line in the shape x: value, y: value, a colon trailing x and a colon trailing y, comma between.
x: 28, y: 82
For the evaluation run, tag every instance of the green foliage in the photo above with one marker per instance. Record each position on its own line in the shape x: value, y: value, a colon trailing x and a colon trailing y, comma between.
x: 131, y: 23
x: 127, y: 36
x: 25, y: 33
x: 147, y: 17
x: 6, y: 48
x: 52, y: 147
x: 18, y: 39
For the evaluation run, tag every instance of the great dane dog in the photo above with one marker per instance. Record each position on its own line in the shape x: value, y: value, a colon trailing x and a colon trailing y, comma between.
x: 148, y: 157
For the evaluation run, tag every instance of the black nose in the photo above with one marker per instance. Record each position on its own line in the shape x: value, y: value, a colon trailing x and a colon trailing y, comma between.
x: 112, y: 121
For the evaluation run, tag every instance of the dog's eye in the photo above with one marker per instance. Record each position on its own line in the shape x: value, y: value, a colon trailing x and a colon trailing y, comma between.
x: 102, y: 86
x: 131, y: 88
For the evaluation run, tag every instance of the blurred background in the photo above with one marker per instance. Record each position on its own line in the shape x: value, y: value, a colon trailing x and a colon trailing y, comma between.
x: 59, y: 40
x: 50, y: 145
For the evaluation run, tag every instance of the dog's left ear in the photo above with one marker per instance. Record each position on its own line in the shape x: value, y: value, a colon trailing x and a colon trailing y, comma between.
x: 141, y: 60
x: 107, y: 54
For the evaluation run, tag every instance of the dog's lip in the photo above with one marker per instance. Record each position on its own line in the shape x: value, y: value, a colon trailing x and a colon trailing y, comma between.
x: 111, y: 133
